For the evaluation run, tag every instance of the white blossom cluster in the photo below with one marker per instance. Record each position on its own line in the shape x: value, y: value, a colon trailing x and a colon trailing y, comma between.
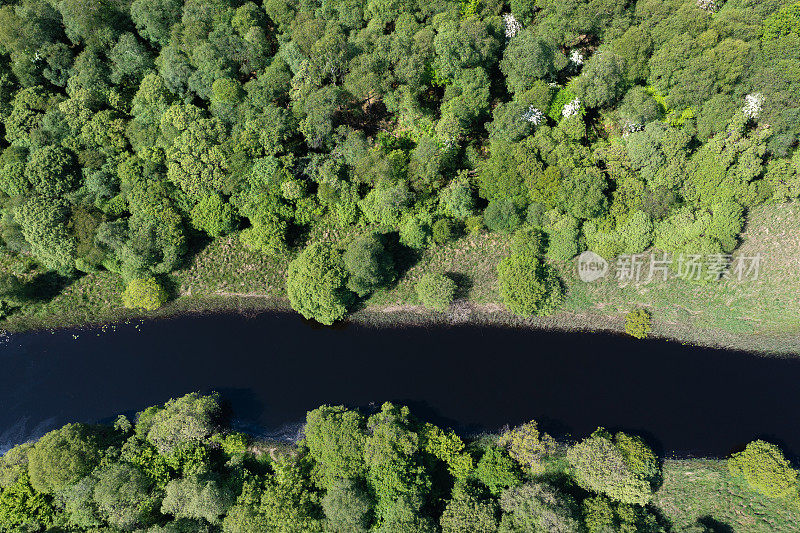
x: 709, y: 6
x: 576, y: 57
x: 752, y: 105
x: 533, y: 115
x: 571, y: 108
x: 513, y: 26
x: 631, y: 127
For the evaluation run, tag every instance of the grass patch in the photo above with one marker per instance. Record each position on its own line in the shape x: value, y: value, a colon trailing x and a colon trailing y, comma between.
x: 700, y: 489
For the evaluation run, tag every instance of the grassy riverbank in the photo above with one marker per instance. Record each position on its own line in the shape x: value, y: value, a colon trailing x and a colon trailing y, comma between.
x: 761, y: 315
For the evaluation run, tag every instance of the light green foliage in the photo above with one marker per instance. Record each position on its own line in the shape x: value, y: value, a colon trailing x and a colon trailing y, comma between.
x: 347, y: 507
x: 191, y: 418
x: 621, y: 467
x: 43, y: 222
x: 528, y: 446
x: 335, y: 438
x: 316, y: 284
x: 386, y: 205
x: 466, y: 513
x: 528, y: 286
x: 369, y: 264
x: 61, y: 458
x: 638, y: 107
x: 414, y: 233
x: 436, y: 291
x: 124, y: 497
x: 637, y: 323
x: 443, y: 231
x: 14, y: 464
x: 538, y: 508
x: 448, y: 447
x: 497, y: 471
x: 50, y: 171
x: 766, y: 470
x: 196, y: 498
x: 24, y: 509
x: 214, y: 215
x: 144, y: 293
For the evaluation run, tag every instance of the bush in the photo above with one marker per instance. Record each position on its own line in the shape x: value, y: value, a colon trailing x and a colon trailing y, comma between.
x: 316, y: 284
x: 765, y: 469
x: 443, y: 231
x: 502, y: 216
x: 637, y: 323
x: 369, y: 264
x: 528, y: 285
x: 144, y: 293
x: 436, y: 291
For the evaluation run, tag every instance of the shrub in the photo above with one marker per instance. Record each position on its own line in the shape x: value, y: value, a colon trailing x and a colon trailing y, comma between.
x: 144, y: 293
x: 369, y: 264
x: 528, y: 285
x: 765, y: 469
x: 502, y: 215
x: 443, y: 231
x: 436, y: 291
x: 637, y: 323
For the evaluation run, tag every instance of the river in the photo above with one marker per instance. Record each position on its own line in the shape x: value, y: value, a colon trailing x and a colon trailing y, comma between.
x: 272, y: 368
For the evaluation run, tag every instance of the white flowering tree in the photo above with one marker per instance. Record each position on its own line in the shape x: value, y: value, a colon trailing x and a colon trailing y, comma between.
x: 752, y: 105
x: 513, y: 27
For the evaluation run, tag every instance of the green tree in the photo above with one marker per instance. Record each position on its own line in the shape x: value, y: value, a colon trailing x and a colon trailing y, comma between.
x: 43, y: 222
x: 464, y: 512
x: 144, y: 293
x: 124, y: 496
x: 189, y: 419
x: 316, y: 282
x: 335, y: 439
x: 51, y: 171
x: 528, y: 286
x: 497, y: 471
x: 62, y: 457
x: 347, y: 507
x: 197, y: 499
x: 214, y: 215
x: 766, y: 470
x: 528, y: 446
x: 369, y: 264
x: 436, y: 291
x: 602, y: 81
x: 538, y: 508
x: 621, y: 467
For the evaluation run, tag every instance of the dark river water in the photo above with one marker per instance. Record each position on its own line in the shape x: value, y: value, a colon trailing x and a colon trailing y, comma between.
x: 273, y: 368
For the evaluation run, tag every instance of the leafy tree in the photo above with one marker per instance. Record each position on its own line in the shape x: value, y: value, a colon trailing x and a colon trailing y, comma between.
x: 347, y: 507
x: 497, y: 471
x: 62, y: 457
x: 197, y: 499
x: 43, y: 223
x: 316, y: 284
x: 24, y: 509
x: 124, y: 497
x: 538, y: 507
x: 466, y: 513
x: 502, y: 216
x: 528, y: 446
x: 766, y: 470
x: 637, y: 323
x: 369, y: 264
x: 602, y: 81
x: 144, y: 293
x: 335, y: 438
x: 155, y: 18
x: 621, y: 467
x: 528, y: 286
x: 191, y: 418
x: 528, y: 58
x: 436, y: 291
x: 214, y: 215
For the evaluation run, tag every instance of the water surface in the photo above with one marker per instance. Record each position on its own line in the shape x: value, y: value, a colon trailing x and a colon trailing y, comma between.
x: 273, y: 368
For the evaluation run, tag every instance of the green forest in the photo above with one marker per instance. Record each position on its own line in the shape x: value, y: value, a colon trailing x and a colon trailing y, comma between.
x: 180, y: 468
x: 350, y: 136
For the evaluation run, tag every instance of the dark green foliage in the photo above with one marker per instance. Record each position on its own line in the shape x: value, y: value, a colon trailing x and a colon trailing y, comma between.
x: 316, y: 284
x: 133, y: 132
x: 369, y: 264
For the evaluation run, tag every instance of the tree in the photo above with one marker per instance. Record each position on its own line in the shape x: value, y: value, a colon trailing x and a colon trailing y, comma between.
x: 316, y: 282
x: 637, y: 323
x: 124, y: 497
x: 528, y: 286
x: 528, y: 446
x: 369, y: 264
x: 189, y: 419
x: 602, y: 81
x: 539, y: 508
x: 43, y: 223
x: 766, y: 470
x: 61, y: 458
x: 497, y: 471
x: 464, y: 512
x: 214, y: 215
x: 436, y: 291
x: 154, y: 18
x: 528, y: 58
x: 621, y: 467
x: 335, y: 439
x: 144, y: 293
x: 196, y: 498
x: 347, y: 507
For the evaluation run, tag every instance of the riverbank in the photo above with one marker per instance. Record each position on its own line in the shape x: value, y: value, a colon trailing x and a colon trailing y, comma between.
x: 760, y: 316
